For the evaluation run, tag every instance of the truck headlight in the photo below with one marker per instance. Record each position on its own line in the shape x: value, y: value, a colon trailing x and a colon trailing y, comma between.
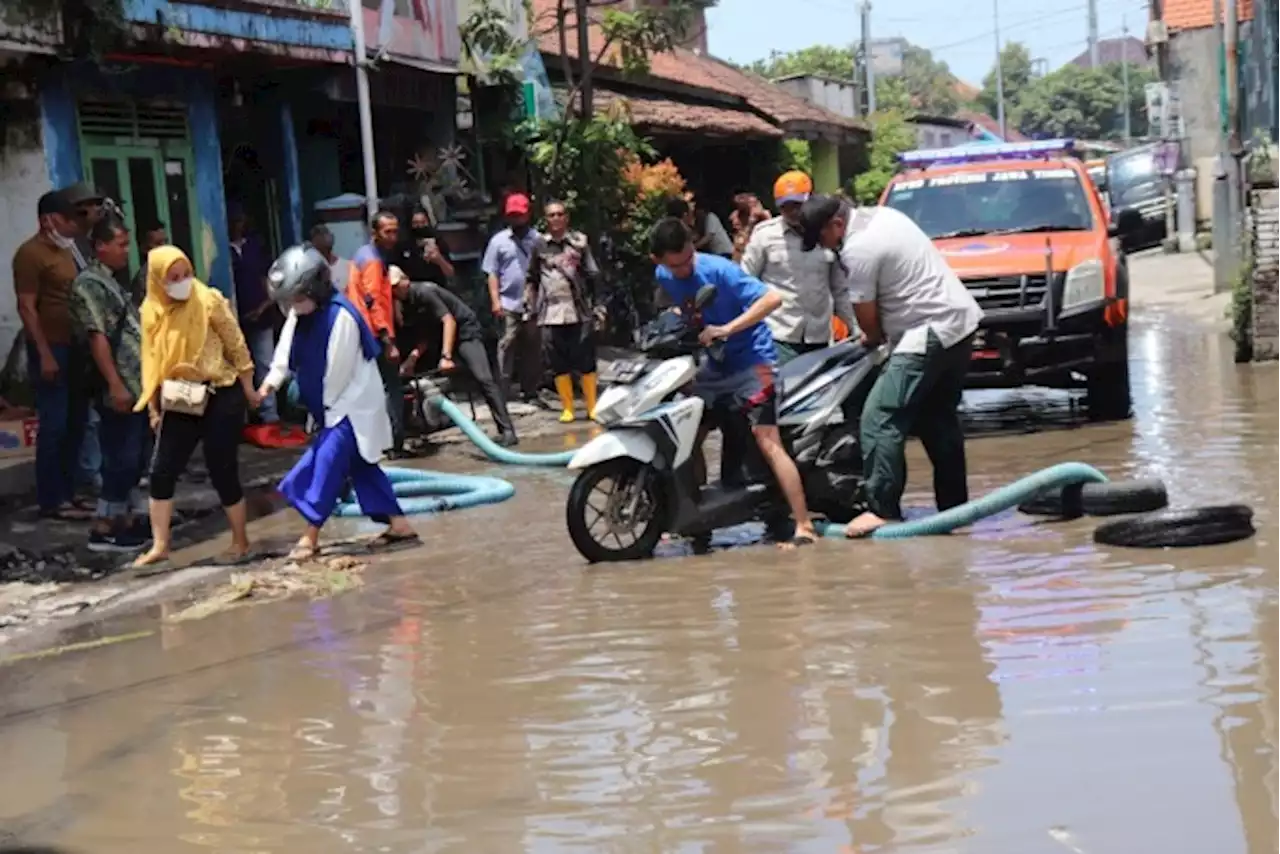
x: 1085, y: 284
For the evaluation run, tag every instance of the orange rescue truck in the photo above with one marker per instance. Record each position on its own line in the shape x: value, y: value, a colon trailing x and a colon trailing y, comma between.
x: 1026, y: 230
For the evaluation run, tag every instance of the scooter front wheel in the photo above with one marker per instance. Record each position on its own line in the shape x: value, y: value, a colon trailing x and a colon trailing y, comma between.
x: 615, y: 511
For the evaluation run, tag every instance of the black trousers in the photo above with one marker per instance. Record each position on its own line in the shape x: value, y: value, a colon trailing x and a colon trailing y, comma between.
x: 219, y: 429
x: 474, y: 359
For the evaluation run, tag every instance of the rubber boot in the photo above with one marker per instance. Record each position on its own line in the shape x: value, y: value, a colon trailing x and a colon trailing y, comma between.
x: 564, y: 387
x: 589, y: 392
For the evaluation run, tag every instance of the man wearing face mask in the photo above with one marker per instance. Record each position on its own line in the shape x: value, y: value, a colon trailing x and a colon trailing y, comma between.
x: 427, y: 259
x: 43, y: 269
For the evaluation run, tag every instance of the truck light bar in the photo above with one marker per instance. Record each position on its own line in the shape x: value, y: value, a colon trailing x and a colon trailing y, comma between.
x: 985, y: 153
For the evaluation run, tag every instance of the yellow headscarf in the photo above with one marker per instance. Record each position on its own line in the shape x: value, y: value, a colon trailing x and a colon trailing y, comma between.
x: 173, y: 331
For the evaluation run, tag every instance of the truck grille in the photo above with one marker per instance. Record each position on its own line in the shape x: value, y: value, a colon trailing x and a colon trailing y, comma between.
x: 1025, y: 291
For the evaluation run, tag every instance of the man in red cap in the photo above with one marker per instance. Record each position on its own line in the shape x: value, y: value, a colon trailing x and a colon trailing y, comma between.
x: 506, y: 263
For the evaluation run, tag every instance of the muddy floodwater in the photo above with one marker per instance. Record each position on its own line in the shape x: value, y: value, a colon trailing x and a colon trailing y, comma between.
x: 1014, y: 689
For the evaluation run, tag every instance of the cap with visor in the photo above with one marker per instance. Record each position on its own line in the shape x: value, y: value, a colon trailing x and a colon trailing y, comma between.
x: 792, y: 188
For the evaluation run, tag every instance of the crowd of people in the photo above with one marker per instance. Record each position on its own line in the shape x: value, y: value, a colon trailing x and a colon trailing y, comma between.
x: 159, y: 358
x: 167, y: 364
x: 820, y: 270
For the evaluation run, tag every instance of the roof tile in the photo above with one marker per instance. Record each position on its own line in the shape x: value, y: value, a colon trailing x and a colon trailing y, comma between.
x: 1195, y: 14
x: 703, y: 72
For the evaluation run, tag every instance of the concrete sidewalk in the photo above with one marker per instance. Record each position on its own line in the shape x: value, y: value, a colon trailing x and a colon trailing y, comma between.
x: 1180, y: 285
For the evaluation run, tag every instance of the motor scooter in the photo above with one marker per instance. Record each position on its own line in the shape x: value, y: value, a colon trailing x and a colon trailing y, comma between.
x: 637, y: 480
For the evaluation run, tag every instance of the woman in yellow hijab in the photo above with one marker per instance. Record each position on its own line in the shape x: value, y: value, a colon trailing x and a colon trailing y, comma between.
x: 190, y: 333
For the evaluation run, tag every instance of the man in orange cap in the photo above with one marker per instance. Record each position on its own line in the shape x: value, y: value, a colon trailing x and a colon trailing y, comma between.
x: 813, y: 285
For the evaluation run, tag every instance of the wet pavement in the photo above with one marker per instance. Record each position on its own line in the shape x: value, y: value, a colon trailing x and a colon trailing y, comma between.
x: 1018, y: 689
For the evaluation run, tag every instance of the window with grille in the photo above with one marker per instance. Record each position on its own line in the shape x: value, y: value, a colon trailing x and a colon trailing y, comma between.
x: 122, y: 120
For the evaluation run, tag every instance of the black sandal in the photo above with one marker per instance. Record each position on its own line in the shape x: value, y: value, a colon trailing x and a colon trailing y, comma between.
x: 390, y: 540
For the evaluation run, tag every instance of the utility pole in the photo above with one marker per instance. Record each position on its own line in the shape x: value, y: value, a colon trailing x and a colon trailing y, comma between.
x: 365, y: 108
x: 995, y: 18
x: 1124, y: 76
x: 587, y: 91
x: 1093, y: 34
x: 868, y: 67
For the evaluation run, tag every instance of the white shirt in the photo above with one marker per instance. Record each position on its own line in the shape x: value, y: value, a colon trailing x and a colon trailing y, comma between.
x: 812, y: 284
x: 352, y: 385
x: 894, y: 264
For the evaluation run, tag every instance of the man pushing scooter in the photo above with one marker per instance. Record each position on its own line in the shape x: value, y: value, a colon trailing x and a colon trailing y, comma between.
x: 743, y: 379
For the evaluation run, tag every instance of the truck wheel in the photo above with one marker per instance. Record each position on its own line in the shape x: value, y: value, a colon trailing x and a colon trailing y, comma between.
x: 611, y: 515
x: 1107, y: 393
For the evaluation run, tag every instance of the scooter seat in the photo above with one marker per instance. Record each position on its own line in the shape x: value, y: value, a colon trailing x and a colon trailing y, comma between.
x: 802, y: 369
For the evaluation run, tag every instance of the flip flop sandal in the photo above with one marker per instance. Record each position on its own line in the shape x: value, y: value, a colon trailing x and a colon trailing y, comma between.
x: 300, y: 553
x: 160, y: 567
x: 387, y: 540
x: 233, y: 560
x: 800, y: 540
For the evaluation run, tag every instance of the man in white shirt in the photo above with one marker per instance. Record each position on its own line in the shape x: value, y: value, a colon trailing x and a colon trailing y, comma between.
x: 904, y: 295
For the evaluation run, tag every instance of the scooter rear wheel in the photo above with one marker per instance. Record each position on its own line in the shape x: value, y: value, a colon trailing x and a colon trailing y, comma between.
x: 615, y: 511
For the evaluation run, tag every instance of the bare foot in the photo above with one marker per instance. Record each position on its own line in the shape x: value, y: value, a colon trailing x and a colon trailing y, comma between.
x: 863, y: 525
x: 154, y: 555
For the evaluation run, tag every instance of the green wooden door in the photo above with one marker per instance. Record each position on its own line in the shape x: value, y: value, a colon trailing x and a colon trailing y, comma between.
x: 153, y: 184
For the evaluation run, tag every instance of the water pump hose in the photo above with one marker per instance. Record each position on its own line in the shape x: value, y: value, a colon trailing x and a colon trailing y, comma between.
x: 433, y: 492
x: 1004, y: 498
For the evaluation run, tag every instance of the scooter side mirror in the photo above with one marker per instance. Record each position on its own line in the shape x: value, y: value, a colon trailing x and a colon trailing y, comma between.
x: 705, y: 295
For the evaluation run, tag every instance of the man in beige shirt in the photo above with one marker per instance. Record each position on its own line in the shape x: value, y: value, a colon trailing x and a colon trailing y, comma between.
x: 813, y: 285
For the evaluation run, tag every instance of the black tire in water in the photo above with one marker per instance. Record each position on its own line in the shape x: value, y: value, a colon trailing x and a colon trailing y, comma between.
x: 1107, y: 390
x: 621, y: 471
x: 1098, y: 499
x: 1201, y: 526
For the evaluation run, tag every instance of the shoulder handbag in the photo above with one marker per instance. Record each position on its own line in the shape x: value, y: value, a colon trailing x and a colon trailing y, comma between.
x: 184, y: 397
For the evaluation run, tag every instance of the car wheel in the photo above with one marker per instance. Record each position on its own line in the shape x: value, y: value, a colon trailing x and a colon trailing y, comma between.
x: 1202, y: 526
x: 1107, y: 393
x: 1098, y: 499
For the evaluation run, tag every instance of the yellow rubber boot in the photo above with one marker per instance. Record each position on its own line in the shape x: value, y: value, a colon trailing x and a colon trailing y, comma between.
x: 564, y: 388
x: 589, y: 392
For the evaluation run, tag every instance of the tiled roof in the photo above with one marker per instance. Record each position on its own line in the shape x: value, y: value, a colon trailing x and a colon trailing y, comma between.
x: 990, y: 125
x: 1194, y: 14
x: 701, y: 72
x: 1129, y: 49
x: 651, y: 111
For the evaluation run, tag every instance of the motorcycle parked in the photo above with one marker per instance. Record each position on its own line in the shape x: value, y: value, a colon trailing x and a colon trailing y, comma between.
x: 637, y: 480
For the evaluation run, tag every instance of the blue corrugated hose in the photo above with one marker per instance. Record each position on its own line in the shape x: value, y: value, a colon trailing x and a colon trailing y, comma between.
x: 1062, y: 474
x: 492, y: 449
x: 434, y: 492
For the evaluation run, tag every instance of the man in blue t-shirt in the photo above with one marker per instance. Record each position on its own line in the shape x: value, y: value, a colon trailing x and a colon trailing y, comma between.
x: 743, y: 379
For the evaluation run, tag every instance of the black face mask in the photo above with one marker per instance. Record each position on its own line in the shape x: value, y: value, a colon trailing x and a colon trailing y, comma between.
x: 422, y: 233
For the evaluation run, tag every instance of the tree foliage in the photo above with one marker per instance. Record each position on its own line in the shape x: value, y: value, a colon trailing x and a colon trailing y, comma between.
x: 1085, y: 103
x: 926, y: 84
x: 890, y: 136
x: 1015, y: 62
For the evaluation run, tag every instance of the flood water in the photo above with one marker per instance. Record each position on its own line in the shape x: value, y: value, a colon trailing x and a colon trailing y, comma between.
x: 1017, y: 689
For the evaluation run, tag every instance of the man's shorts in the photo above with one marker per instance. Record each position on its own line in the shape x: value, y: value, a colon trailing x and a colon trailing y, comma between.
x: 749, y: 392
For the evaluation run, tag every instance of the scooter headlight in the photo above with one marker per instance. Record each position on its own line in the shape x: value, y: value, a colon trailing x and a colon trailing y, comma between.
x: 1085, y: 283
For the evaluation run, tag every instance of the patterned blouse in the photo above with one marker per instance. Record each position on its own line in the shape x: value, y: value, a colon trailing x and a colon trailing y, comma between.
x: 225, y: 355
